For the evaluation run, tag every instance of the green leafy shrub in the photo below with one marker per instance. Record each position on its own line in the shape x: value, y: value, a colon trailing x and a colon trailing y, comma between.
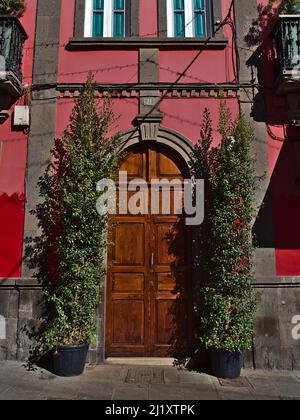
x: 226, y: 299
x: 285, y: 6
x: 8, y: 7
x: 76, y: 233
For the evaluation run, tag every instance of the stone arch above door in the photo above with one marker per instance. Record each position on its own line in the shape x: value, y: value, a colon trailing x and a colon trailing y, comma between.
x: 161, y: 135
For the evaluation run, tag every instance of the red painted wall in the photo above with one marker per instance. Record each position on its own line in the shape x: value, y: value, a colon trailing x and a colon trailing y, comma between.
x: 284, y: 167
x: 182, y: 115
x: 125, y: 111
x: 13, y: 153
x: 186, y: 115
x: 148, y: 18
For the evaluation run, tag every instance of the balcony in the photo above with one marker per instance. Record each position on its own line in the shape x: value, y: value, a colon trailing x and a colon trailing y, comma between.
x: 287, y: 37
x: 12, y: 38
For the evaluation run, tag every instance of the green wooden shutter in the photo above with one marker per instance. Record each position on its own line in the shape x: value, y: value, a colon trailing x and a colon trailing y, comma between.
x: 179, y: 18
x: 199, y: 18
x: 98, y: 18
x: 119, y: 18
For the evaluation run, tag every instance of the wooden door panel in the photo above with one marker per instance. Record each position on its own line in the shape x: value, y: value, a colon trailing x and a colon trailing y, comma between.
x: 169, y: 239
x: 129, y: 243
x: 142, y: 201
x: 126, y: 288
x: 128, y: 282
x: 166, y: 167
x: 173, y: 287
x: 168, y: 282
x: 170, y: 201
x: 164, y: 322
x: 149, y: 306
x: 135, y: 165
x: 171, y: 327
x: 128, y: 322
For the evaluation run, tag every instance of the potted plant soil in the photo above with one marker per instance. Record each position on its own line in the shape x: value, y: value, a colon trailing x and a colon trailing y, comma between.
x: 227, y: 302
x: 76, y: 232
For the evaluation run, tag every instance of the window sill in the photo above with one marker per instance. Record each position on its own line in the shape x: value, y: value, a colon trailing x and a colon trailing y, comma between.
x: 217, y: 43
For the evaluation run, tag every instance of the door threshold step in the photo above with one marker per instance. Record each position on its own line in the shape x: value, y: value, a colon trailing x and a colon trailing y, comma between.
x: 140, y: 361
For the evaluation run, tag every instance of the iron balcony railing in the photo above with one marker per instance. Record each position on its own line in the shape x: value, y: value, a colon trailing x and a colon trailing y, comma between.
x: 288, y: 41
x: 12, y: 38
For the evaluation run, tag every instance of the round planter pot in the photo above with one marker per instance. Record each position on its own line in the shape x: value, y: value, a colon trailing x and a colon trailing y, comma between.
x: 225, y: 364
x: 70, y: 360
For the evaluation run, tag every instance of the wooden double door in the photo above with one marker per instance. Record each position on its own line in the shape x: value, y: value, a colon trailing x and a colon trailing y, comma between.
x: 149, y: 297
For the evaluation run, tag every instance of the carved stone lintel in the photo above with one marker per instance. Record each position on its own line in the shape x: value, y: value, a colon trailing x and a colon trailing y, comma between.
x: 149, y: 126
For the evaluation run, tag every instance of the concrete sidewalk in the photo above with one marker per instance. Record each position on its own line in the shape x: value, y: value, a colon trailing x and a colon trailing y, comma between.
x: 113, y: 382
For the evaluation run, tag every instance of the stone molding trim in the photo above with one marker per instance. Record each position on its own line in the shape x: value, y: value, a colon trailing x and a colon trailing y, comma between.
x: 149, y: 126
x: 20, y: 283
x: 132, y: 17
x: 135, y: 91
x: 214, y: 43
x: 171, y: 138
x: 130, y: 138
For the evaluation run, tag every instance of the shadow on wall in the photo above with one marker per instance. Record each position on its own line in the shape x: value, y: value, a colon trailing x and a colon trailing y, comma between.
x: 277, y: 225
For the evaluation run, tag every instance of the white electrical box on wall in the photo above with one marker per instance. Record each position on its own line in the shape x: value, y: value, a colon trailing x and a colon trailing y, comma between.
x: 21, y: 116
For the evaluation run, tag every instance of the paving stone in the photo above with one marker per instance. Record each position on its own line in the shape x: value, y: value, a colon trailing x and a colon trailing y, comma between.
x: 19, y: 394
x: 172, y: 375
x: 131, y: 393
x: 288, y: 389
x: 195, y: 378
x: 263, y: 386
x: 166, y: 393
x: 107, y: 382
x: 263, y: 397
x: 94, y: 396
x: 4, y: 388
x: 196, y: 394
x: 145, y: 376
x: 234, y: 394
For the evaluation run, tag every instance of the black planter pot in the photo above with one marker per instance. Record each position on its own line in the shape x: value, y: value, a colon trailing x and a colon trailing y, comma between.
x: 225, y: 364
x: 70, y: 360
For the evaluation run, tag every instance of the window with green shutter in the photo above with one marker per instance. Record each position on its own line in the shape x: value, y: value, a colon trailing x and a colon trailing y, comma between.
x: 98, y: 18
x: 189, y: 18
x: 179, y: 18
x: 119, y: 18
x: 199, y: 18
x: 106, y: 18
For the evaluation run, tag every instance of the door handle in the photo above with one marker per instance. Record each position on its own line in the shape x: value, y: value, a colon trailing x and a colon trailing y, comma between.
x: 152, y: 259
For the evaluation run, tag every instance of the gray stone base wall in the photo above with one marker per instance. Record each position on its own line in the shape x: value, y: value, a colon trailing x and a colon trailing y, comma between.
x: 20, y: 311
x: 274, y: 344
x: 20, y: 314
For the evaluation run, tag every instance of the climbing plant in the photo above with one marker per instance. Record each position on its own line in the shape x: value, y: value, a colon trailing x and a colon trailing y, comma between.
x: 284, y: 6
x: 267, y: 17
x: 225, y: 296
x: 74, y: 235
x: 8, y: 7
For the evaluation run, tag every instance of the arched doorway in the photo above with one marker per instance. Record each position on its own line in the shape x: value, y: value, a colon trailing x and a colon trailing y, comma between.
x: 149, y: 305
